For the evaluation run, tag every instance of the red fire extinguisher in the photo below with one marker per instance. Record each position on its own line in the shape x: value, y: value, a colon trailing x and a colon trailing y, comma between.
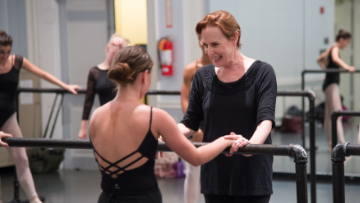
x: 166, y: 56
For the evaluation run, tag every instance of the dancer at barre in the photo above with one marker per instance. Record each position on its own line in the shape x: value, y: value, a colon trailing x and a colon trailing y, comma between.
x: 330, y: 59
x: 125, y: 132
x: 98, y: 82
x: 10, y: 65
x: 192, y: 178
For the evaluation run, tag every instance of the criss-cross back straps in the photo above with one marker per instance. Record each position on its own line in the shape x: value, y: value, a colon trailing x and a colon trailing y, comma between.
x: 107, y: 169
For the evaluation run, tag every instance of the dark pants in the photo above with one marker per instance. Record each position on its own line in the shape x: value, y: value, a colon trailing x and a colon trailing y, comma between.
x: 153, y: 196
x: 236, y: 199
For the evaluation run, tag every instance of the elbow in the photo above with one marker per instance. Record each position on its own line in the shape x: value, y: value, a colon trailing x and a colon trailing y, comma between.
x: 198, y: 161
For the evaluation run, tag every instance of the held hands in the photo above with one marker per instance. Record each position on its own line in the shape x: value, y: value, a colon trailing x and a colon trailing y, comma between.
x: 3, y: 135
x: 73, y: 88
x: 351, y: 69
x: 239, y: 141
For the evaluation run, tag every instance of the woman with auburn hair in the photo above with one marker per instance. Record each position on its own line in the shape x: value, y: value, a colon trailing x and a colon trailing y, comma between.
x: 99, y: 83
x: 235, y: 94
x: 330, y: 59
x: 9, y: 78
x: 127, y: 165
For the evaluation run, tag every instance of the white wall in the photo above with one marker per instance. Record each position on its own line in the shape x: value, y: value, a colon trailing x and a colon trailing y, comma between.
x: 356, y: 42
x: 84, y: 35
x: 186, y: 14
x: 44, y: 50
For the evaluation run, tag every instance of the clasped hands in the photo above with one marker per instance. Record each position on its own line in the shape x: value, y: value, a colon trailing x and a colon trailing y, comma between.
x: 239, y: 142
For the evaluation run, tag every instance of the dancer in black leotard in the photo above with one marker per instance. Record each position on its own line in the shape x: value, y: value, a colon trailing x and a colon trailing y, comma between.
x: 124, y: 134
x: 9, y: 78
x: 330, y: 59
x: 98, y: 82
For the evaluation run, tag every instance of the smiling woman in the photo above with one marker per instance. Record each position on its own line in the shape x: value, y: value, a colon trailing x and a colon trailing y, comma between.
x: 235, y: 95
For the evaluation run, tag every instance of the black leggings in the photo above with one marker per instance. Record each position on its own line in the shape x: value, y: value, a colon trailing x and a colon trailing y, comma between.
x: 236, y: 199
x: 153, y: 196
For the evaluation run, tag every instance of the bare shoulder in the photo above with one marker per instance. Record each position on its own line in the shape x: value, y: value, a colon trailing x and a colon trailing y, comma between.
x: 161, y: 117
x: 98, y: 114
x: 190, y: 69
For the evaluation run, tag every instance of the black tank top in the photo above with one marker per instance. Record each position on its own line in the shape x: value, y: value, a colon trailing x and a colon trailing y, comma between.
x: 331, y: 77
x: 134, y: 181
x: 8, y: 87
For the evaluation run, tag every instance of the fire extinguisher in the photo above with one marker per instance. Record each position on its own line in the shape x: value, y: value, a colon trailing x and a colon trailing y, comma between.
x: 166, y: 56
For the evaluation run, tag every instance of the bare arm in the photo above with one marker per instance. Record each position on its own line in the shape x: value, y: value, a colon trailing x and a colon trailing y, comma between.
x: 186, y: 86
x: 27, y: 65
x: 175, y: 140
x: 321, y: 63
x: 339, y: 61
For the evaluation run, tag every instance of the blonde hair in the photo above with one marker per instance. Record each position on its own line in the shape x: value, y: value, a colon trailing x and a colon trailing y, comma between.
x: 126, y: 41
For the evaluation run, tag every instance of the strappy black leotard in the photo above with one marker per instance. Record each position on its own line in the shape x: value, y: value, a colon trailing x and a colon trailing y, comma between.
x: 8, y: 86
x: 122, y: 182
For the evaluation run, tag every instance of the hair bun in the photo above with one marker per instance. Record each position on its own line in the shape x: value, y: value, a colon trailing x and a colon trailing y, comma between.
x: 2, y: 32
x: 121, y: 73
x: 341, y: 31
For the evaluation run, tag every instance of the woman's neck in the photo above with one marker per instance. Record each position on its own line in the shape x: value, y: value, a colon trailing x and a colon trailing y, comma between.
x: 104, y: 65
x: 128, y: 93
x: 237, y: 62
x: 3, y: 63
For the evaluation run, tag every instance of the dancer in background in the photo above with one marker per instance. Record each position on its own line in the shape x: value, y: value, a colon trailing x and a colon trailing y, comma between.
x: 10, y: 66
x: 98, y: 82
x: 330, y: 59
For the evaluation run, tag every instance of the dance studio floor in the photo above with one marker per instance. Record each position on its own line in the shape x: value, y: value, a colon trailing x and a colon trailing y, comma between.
x: 84, y: 186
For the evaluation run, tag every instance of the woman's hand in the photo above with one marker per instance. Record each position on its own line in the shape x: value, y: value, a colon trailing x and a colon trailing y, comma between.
x: 83, y: 134
x: 3, y: 135
x: 239, y: 141
x: 351, y: 69
x: 73, y: 88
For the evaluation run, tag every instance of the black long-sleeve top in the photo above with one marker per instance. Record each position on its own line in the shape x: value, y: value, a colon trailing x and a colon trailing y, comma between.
x: 98, y: 83
x: 234, y: 107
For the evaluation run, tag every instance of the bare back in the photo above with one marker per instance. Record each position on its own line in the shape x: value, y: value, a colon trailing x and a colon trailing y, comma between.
x: 117, y: 130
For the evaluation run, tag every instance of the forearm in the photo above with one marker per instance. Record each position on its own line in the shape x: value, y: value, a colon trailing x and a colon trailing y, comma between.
x: 261, y: 133
x: 184, y: 105
x: 50, y: 78
x: 83, y: 124
x: 185, y: 130
x: 342, y: 64
x: 210, y: 151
